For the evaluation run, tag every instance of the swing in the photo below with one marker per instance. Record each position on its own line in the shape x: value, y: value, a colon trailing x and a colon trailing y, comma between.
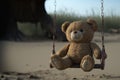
x: 101, y: 65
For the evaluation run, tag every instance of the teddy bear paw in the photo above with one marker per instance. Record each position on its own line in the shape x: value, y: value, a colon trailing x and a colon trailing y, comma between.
x: 87, y: 63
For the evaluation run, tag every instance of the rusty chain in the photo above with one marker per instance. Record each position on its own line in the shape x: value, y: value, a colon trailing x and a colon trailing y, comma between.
x: 104, y: 55
x: 54, y: 25
x: 102, y: 19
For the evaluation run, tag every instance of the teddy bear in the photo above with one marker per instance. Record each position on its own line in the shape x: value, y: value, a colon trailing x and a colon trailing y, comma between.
x: 80, y: 48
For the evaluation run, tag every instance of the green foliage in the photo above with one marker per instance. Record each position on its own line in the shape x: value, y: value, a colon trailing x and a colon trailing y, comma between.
x: 30, y: 29
x: 26, y: 28
x: 111, y: 21
x: 62, y: 16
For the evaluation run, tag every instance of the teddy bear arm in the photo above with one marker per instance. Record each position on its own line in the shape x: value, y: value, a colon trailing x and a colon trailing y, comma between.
x: 96, y: 51
x: 62, y: 52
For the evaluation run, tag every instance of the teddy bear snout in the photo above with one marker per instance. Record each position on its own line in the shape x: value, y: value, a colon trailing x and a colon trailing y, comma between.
x: 76, y: 35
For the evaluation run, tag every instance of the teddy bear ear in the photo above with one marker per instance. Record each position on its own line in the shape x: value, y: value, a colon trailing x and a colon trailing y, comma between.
x: 65, y: 26
x: 92, y: 23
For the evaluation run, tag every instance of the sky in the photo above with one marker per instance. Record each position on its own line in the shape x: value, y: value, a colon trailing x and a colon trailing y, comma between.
x: 83, y: 7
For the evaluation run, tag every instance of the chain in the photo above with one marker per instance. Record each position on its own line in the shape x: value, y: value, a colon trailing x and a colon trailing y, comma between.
x: 54, y: 25
x: 102, y: 19
x: 104, y: 55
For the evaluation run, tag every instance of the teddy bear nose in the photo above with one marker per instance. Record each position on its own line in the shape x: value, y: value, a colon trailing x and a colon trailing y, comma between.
x: 75, y: 32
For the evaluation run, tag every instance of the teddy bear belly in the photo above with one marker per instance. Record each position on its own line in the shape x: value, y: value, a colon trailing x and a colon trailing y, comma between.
x: 76, y: 57
x: 78, y: 52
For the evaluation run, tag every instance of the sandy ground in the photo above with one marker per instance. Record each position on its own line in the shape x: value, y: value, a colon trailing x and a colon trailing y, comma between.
x: 30, y: 61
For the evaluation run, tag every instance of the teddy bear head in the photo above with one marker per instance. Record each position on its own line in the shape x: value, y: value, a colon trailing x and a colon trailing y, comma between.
x: 79, y: 31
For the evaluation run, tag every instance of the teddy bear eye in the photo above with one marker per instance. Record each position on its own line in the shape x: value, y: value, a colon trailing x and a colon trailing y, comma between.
x: 81, y: 30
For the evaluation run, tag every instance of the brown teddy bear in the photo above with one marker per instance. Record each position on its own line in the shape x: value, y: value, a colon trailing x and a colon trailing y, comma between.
x: 80, y: 49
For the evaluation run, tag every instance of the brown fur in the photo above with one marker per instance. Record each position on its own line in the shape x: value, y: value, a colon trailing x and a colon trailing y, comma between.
x: 80, y: 50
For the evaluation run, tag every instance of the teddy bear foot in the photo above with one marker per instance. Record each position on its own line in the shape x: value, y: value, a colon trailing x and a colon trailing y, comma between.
x: 87, y: 63
x: 57, y: 62
x: 60, y: 63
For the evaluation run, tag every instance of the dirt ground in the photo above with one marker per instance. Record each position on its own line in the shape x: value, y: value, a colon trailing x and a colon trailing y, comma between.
x: 30, y: 61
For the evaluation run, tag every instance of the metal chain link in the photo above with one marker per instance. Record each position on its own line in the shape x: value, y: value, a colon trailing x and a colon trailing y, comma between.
x: 102, y: 19
x: 54, y: 25
x: 104, y: 55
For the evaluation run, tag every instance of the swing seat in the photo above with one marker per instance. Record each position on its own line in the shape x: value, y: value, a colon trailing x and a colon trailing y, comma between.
x: 96, y: 66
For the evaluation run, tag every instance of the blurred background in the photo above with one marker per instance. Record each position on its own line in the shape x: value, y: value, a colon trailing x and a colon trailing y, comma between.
x: 24, y: 20
x: 27, y: 27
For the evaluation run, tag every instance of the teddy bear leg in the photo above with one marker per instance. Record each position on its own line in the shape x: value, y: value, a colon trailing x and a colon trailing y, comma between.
x: 87, y: 63
x: 60, y: 63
